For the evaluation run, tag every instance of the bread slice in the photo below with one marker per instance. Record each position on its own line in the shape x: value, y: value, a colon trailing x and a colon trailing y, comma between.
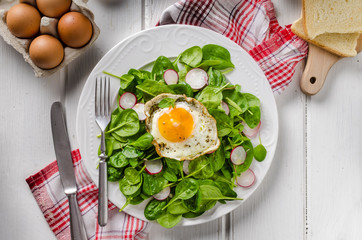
x: 341, y: 44
x: 331, y: 16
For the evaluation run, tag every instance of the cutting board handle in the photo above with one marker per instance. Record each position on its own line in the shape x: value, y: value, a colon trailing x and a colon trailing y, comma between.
x: 316, y: 69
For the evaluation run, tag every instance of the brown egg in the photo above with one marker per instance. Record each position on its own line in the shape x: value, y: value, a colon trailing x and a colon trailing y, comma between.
x: 46, y: 51
x: 75, y: 29
x: 23, y: 20
x: 53, y: 8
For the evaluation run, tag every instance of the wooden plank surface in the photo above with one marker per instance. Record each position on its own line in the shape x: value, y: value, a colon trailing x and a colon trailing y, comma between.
x: 334, y: 154
x: 312, y: 190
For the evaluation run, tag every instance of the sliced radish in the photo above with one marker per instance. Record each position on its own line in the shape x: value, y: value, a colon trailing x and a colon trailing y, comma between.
x: 185, y: 167
x: 197, y: 78
x: 127, y: 100
x: 225, y: 106
x: 153, y: 166
x: 246, y: 179
x: 170, y: 76
x: 238, y: 155
x: 163, y: 194
x: 250, y: 132
x: 140, y: 110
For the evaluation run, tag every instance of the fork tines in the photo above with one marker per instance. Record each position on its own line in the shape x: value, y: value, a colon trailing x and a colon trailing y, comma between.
x: 102, y: 96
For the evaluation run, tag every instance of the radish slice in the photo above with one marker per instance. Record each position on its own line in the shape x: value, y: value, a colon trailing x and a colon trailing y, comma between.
x: 197, y: 78
x: 140, y: 110
x: 250, y: 132
x: 163, y: 194
x: 185, y: 167
x: 225, y: 106
x: 153, y: 166
x: 238, y: 155
x: 127, y: 100
x: 246, y: 179
x: 170, y: 76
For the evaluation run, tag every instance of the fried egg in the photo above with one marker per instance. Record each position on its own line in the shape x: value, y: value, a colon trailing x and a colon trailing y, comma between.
x: 183, y: 131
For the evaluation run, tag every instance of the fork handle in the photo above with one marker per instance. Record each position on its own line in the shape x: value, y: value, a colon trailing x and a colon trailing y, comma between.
x: 102, y: 194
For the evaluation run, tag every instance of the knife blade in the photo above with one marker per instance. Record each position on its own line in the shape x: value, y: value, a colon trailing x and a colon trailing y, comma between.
x: 66, y: 171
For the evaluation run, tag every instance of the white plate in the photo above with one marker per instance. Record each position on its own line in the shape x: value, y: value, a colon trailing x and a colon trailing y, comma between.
x: 143, y: 48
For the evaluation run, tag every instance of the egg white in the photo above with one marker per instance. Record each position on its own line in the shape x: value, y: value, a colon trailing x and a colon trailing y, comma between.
x: 203, y: 139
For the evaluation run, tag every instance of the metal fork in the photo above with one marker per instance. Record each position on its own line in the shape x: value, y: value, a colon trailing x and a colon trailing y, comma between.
x: 103, y: 117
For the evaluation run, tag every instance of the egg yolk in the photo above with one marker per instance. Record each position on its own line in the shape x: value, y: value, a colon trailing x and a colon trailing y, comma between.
x: 176, y: 124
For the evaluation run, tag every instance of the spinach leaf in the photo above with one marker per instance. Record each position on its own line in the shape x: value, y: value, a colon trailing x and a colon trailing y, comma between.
x: 177, y: 208
x: 216, y: 52
x: 133, y: 162
x: 224, y: 123
x: 161, y: 64
x: 193, y: 204
x: 225, y: 189
x: 213, y: 193
x: 249, y: 158
x: 186, y: 189
x: 131, y: 152
x: 153, y: 88
x: 174, y: 165
x: 153, y: 209
x: 211, y: 97
x: 140, y: 75
x: 153, y: 183
x: 216, y: 78
x: 113, y: 174
x: 236, y: 101
x: 118, y: 160
x: 205, y: 64
x: 259, y: 153
x: 169, y: 220
x: 143, y: 142
x: 227, y: 171
x: 136, y: 200
x: 201, y: 168
x: 126, y: 80
x: 182, y: 88
x: 192, y: 214
x: 167, y: 102
x: 191, y: 56
x: 127, y: 124
x: 169, y: 175
x: 128, y: 189
x: 132, y: 176
x: 217, y: 158
x: 252, y: 116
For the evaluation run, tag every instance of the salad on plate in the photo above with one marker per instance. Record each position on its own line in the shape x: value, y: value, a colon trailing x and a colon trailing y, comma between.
x: 180, y: 136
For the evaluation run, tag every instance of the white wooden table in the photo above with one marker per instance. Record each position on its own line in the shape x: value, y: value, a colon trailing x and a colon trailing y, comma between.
x: 312, y: 191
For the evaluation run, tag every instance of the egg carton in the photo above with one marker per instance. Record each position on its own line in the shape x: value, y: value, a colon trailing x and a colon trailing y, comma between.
x: 47, y: 26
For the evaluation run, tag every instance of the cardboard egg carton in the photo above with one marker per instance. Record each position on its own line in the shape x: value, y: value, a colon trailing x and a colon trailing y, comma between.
x: 47, y: 26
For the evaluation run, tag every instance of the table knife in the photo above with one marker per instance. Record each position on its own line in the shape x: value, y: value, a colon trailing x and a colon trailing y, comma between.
x: 66, y: 171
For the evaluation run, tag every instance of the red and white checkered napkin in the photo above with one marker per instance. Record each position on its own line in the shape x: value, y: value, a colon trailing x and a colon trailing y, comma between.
x: 48, y: 192
x: 251, y: 24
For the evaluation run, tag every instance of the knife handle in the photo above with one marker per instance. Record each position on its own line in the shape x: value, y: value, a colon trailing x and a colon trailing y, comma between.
x: 102, y: 194
x: 77, y: 228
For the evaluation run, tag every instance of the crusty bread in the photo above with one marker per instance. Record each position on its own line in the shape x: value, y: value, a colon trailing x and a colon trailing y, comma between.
x: 331, y: 16
x: 342, y: 44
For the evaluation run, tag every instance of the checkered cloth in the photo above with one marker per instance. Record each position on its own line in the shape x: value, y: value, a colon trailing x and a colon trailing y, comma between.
x: 252, y: 25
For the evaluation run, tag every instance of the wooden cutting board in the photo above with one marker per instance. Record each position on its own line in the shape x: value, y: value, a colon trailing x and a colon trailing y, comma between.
x: 319, y: 62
